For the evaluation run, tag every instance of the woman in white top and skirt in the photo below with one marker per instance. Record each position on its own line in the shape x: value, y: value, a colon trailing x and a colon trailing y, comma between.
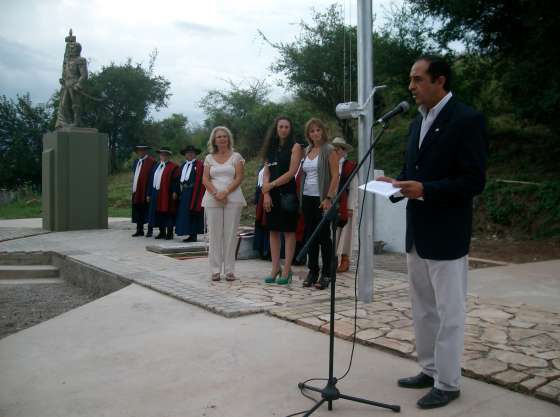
x: 319, y: 184
x: 223, y: 201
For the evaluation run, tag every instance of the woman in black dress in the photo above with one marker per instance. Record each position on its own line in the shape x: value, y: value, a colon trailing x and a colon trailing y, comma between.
x: 282, y: 156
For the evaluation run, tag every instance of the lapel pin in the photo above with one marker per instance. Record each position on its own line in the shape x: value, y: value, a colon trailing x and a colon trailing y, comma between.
x: 437, y: 129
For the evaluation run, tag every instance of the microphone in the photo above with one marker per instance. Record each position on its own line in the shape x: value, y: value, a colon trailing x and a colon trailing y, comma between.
x: 402, y: 107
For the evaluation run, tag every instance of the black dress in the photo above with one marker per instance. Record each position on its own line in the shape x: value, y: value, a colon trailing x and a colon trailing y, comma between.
x: 279, y: 220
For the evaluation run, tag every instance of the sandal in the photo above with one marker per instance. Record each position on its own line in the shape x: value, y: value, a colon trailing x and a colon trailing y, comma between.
x: 216, y: 277
x: 323, y: 283
x: 230, y: 276
x: 271, y: 279
x: 311, y: 279
x: 285, y: 280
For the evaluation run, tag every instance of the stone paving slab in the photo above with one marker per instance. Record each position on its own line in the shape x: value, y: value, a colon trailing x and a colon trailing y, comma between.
x: 509, y: 344
x: 11, y: 233
x: 513, y: 345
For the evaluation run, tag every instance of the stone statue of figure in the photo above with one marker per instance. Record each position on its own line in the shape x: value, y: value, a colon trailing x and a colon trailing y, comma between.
x: 74, y: 74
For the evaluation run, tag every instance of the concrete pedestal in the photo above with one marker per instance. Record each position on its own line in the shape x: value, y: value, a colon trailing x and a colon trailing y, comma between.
x: 75, y: 165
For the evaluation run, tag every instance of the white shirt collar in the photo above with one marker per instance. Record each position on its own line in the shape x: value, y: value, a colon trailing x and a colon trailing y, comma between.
x: 434, y: 111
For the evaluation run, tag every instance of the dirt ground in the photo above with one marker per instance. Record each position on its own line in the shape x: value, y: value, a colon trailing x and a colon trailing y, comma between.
x: 514, y: 251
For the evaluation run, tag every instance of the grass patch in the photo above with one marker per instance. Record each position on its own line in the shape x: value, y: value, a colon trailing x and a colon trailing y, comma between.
x: 22, y: 208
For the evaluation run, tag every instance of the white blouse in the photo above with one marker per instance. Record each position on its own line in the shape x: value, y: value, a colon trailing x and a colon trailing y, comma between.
x: 221, y: 176
x: 311, y: 185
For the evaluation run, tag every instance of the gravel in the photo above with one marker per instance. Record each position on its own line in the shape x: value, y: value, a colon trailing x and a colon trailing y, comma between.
x: 25, y: 305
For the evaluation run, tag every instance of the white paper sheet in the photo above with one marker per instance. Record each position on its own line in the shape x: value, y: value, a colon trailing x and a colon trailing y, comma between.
x: 383, y: 188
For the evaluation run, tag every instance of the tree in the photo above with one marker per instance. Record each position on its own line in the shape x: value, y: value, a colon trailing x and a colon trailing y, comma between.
x: 246, y: 111
x: 314, y: 64
x: 315, y: 67
x: 519, y: 36
x: 22, y: 126
x: 129, y: 93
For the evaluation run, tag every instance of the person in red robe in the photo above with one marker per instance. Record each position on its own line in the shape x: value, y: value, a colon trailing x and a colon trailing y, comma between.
x: 190, y: 215
x: 141, y: 169
x: 164, y: 194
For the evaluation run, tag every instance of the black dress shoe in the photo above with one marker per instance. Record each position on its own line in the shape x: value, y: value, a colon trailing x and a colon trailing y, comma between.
x: 419, y: 381
x: 149, y: 234
x: 138, y: 233
x: 437, y: 398
x: 160, y: 235
x: 311, y: 279
x: 190, y: 239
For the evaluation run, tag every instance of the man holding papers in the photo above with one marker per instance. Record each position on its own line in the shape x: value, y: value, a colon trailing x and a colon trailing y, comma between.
x: 445, y: 168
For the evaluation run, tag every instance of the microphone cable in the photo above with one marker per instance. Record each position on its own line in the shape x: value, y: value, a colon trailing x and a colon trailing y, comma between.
x: 302, y: 389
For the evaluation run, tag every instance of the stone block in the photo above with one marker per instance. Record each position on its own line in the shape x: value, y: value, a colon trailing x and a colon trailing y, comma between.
x: 484, y: 367
x: 392, y: 344
x: 74, y: 179
x: 533, y: 383
x: 400, y: 334
x: 311, y: 322
x: 369, y: 334
x: 520, y: 359
x: 550, y: 391
x: 509, y: 378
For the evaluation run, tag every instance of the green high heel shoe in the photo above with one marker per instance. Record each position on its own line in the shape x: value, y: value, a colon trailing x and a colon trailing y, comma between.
x: 285, y: 280
x: 272, y: 279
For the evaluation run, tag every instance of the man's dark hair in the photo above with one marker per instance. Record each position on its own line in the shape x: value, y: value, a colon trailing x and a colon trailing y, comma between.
x: 438, y: 67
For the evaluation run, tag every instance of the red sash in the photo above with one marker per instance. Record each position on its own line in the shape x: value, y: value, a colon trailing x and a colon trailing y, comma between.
x: 198, y: 188
x: 169, y: 176
x: 139, y: 197
x: 347, y: 168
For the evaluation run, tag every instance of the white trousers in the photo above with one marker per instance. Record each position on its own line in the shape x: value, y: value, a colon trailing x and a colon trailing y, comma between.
x: 438, y: 292
x: 222, y: 223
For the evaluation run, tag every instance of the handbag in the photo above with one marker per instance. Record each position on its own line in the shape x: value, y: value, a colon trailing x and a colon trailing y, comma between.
x: 289, y: 203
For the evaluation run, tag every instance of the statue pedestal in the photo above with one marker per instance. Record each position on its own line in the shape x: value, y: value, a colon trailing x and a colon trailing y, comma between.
x: 75, y: 166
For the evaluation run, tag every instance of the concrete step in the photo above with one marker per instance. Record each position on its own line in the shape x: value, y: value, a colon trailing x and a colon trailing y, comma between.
x: 28, y: 281
x: 23, y: 258
x: 28, y: 271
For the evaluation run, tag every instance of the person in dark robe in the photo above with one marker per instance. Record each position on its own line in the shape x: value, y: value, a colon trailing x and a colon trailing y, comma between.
x: 141, y: 168
x: 164, y: 194
x: 190, y: 215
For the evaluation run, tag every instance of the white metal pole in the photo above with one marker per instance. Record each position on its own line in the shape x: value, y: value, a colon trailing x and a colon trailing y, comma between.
x: 365, y: 85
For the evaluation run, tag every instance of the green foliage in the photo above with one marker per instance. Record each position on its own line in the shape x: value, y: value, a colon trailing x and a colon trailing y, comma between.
x: 519, y: 36
x: 529, y: 209
x: 26, y: 205
x: 248, y: 113
x: 22, y: 126
x: 130, y: 92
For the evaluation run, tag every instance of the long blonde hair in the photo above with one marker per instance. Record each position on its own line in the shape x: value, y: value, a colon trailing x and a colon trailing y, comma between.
x: 212, y: 148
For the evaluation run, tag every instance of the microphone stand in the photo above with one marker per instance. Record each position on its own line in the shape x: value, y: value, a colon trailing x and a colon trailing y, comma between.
x: 330, y: 393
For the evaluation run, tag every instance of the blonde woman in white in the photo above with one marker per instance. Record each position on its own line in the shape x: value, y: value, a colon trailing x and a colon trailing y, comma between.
x: 223, y: 201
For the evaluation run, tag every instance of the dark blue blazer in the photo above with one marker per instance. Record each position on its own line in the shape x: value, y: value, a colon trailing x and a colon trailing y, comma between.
x: 451, y: 165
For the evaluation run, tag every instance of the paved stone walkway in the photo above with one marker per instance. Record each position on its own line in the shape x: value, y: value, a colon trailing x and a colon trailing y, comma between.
x: 10, y: 233
x: 513, y: 345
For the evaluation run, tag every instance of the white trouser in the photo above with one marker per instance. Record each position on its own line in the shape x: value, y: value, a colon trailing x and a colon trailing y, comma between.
x: 438, y: 292
x: 222, y: 225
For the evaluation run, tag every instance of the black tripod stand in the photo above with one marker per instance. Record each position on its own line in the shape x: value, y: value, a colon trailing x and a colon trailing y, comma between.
x: 330, y: 393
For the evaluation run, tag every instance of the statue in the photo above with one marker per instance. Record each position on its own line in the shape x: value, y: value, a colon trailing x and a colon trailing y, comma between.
x: 74, y: 74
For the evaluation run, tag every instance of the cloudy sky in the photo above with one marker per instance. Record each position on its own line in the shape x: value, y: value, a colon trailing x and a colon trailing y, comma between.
x: 201, y: 43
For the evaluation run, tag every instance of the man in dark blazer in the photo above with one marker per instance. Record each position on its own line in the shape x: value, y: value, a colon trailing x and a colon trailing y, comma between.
x: 445, y: 168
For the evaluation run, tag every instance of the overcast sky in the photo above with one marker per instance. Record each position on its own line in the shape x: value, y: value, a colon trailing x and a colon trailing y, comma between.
x: 201, y: 43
